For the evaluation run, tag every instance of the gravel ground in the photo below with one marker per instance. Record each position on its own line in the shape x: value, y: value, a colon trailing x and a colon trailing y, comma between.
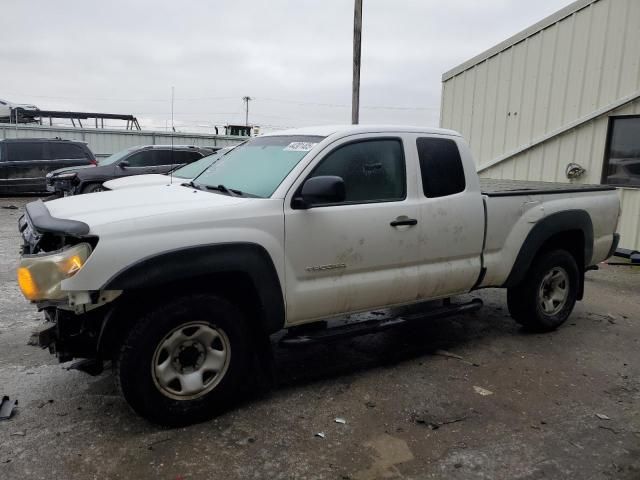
x: 470, y: 397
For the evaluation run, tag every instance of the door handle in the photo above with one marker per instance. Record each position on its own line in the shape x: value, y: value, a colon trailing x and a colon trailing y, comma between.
x: 404, y: 221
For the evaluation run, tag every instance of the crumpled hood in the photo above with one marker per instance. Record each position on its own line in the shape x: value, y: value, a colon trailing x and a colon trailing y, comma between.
x: 70, y: 169
x: 101, y: 208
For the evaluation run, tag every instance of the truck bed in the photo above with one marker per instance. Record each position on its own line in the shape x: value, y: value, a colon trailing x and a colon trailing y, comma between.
x: 504, y: 188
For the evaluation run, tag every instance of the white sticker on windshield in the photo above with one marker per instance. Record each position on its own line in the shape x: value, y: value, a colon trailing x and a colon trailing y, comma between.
x: 299, y: 146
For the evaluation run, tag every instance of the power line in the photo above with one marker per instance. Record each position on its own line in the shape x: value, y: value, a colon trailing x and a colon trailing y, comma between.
x: 341, y: 105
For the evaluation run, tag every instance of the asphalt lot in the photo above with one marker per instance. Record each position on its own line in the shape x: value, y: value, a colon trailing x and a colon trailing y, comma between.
x: 471, y: 397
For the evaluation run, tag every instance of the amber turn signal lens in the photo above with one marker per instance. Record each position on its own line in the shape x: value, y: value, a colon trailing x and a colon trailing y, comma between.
x: 27, y: 284
x: 71, y: 265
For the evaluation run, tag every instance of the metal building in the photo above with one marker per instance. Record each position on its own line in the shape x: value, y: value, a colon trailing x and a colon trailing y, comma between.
x: 566, y: 90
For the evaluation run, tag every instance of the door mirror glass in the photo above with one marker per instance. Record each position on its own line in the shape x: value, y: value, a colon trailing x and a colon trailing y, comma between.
x: 326, y: 189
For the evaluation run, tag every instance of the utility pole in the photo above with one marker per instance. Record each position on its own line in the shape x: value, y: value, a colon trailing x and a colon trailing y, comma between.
x: 246, y: 101
x: 357, y: 40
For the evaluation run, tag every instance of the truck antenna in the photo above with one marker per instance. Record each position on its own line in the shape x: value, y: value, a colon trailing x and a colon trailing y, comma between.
x: 173, y: 129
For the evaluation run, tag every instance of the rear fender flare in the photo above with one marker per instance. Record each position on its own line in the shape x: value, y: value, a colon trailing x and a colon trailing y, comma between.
x: 545, y: 229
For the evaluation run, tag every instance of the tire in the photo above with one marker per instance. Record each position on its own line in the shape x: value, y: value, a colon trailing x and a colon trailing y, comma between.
x: 93, y: 188
x: 545, y: 298
x: 171, y: 342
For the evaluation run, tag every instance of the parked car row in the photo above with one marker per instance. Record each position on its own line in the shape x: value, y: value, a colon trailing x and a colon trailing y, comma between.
x: 180, y: 175
x: 152, y: 159
x: 69, y: 167
x: 24, y: 163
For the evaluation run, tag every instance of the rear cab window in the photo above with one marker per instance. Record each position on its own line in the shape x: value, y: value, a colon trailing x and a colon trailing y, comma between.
x: 440, y: 167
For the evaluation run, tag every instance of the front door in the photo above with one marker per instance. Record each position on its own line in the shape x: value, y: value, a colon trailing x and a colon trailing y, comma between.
x: 360, y: 254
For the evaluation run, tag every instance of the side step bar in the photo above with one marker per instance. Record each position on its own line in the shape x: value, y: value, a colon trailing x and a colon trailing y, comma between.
x: 377, y: 325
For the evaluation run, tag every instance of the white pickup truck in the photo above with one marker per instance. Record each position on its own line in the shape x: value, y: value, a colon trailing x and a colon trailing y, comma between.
x: 181, y: 286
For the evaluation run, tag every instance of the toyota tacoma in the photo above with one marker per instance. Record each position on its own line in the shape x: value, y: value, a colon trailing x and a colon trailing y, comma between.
x: 182, y: 286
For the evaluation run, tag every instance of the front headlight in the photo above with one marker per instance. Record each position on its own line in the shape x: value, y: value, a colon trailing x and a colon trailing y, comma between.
x: 64, y: 176
x: 40, y: 276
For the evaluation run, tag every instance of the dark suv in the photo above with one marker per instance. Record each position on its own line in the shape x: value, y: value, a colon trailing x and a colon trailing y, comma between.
x: 133, y: 161
x: 24, y: 163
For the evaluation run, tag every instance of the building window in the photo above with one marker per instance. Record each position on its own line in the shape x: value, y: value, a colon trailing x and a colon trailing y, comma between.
x: 622, y: 159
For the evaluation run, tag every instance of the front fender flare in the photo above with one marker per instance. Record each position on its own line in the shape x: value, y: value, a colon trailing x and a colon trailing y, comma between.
x: 180, y: 265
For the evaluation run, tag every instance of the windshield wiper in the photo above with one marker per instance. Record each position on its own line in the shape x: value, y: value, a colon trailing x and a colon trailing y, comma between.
x: 190, y: 184
x: 229, y: 191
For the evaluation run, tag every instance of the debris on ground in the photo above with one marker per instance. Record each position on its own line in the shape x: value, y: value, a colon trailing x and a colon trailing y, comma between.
x: 20, y: 433
x: 602, y: 416
x: 320, y: 434
x: 435, y: 424
x: 482, y: 391
x: 6, y: 407
x: 162, y: 440
x: 370, y: 404
x: 444, y: 353
x: 42, y: 404
x: 340, y: 420
x: 9, y: 207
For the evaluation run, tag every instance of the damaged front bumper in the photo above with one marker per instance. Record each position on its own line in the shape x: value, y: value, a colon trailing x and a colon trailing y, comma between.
x: 70, y: 336
x: 55, y: 249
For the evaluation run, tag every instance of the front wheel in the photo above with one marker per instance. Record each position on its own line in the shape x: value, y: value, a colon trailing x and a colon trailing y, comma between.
x: 545, y: 298
x: 93, y: 188
x: 185, y: 361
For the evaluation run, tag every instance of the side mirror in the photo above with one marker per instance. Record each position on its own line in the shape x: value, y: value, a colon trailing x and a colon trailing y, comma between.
x: 123, y: 164
x: 320, y: 190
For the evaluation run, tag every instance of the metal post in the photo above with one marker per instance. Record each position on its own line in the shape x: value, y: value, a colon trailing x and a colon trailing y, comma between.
x: 357, y: 40
x: 246, y: 113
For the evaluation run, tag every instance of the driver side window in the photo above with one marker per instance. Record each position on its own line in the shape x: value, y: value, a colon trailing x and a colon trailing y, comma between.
x: 141, y: 159
x: 372, y: 170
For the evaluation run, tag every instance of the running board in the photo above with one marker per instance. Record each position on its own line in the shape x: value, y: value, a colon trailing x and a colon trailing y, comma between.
x: 375, y: 326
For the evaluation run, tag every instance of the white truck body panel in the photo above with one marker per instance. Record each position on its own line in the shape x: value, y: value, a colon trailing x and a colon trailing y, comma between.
x: 149, y: 180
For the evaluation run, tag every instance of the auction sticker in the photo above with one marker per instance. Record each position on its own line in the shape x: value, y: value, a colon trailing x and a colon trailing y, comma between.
x: 299, y: 146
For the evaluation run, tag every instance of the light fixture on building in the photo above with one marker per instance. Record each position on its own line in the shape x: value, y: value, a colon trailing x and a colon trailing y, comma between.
x: 575, y: 171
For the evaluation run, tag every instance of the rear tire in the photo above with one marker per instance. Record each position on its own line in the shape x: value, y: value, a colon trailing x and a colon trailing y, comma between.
x: 545, y: 298
x: 185, y: 361
x: 93, y: 188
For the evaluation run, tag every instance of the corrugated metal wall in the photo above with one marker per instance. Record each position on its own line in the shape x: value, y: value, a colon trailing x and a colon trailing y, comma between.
x: 586, y: 61
x: 104, y: 142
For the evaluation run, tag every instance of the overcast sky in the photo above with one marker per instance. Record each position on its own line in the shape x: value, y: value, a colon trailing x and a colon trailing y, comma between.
x: 292, y: 57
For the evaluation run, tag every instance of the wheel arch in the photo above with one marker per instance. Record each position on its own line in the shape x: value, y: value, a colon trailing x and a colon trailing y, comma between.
x: 242, y: 272
x: 571, y: 230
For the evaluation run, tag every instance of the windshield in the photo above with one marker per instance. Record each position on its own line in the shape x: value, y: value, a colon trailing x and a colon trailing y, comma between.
x: 194, y: 169
x: 115, y: 157
x: 258, y: 166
